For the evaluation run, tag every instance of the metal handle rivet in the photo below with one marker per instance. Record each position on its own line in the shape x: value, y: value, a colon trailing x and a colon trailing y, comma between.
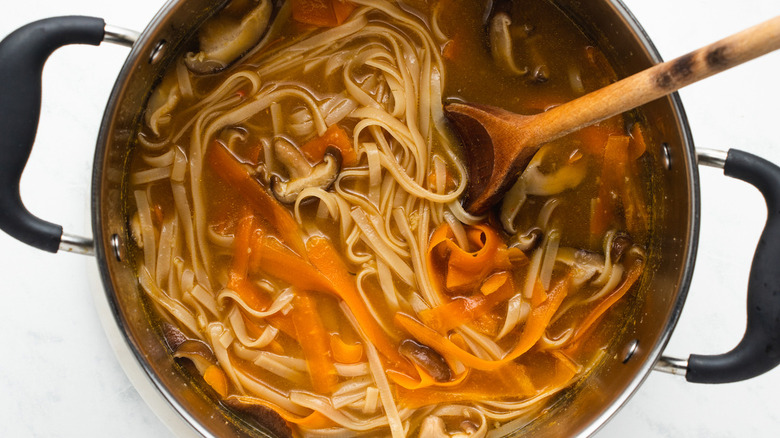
x: 630, y: 349
x: 157, y: 52
x: 117, y: 247
x: 666, y: 156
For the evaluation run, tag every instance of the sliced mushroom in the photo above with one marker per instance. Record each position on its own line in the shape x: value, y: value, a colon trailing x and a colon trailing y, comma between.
x: 198, y: 352
x: 292, y: 158
x: 224, y: 38
x: 426, y: 358
x: 265, y: 415
x: 162, y: 101
x: 469, y: 427
x: 528, y: 241
x: 173, y: 336
x: 501, y: 44
x: 620, y: 244
x: 568, y: 176
x: 433, y: 427
x: 320, y: 175
x: 584, y: 264
x: 511, y: 205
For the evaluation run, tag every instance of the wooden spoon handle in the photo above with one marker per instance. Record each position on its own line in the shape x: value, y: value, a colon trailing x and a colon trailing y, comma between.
x: 656, y: 82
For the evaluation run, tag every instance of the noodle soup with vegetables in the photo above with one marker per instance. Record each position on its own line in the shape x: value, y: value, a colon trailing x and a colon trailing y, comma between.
x: 301, y: 239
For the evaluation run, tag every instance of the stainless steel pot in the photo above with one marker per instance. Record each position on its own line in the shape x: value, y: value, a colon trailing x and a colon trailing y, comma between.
x: 633, y: 353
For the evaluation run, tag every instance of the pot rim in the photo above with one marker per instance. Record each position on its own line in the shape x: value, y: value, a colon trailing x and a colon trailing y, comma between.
x: 148, y: 45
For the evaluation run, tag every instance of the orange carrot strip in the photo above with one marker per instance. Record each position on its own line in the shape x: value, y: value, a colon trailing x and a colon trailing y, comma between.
x: 257, y: 299
x: 514, y: 381
x: 315, y: 343
x: 534, y: 328
x: 314, y: 149
x: 274, y: 258
x: 327, y: 260
x: 637, y: 146
x: 277, y: 348
x: 343, y: 352
x: 238, y: 281
x: 463, y: 310
x: 425, y: 380
x: 342, y: 9
x: 634, y: 206
x: 230, y: 169
x: 593, y: 138
x: 613, y: 173
x: 253, y: 153
x: 601, y: 64
x: 538, y: 294
x: 615, y: 160
x: 216, y: 378
x: 494, y: 282
x: 465, y: 270
x: 241, y: 249
x: 479, y: 386
x: 327, y: 13
x: 633, y: 274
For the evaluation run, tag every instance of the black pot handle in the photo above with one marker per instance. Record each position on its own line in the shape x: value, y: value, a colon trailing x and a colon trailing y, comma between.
x: 22, y: 56
x: 759, y: 349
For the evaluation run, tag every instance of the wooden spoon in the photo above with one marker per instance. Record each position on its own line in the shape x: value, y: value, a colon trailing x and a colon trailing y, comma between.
x: 499, y: 144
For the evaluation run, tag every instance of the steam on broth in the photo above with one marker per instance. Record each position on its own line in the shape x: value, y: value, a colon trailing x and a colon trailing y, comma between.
x: 299, y: 227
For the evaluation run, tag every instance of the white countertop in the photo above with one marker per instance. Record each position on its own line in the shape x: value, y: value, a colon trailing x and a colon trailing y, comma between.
x: 58, y: 373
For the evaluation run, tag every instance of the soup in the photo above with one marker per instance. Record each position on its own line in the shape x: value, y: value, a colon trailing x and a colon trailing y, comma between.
x: 301, y: 239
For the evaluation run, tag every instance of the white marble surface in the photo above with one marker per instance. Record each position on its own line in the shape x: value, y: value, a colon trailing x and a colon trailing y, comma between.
x: 59, y: 376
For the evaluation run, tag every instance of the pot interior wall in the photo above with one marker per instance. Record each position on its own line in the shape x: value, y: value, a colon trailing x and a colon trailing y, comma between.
x: 648, y: 321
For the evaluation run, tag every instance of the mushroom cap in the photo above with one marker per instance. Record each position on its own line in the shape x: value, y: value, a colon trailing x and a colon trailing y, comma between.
x: 224, y: 39
x: 321, y: 175
x: 426, y: 358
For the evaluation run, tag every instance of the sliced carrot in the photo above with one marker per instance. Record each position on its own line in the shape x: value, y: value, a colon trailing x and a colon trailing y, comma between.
x: 638, y: 145
x: 230, y: 169
x: 533, y: 330
x: 465, y: 270
x: 599, y: 62
x: 327, y: 260
x: 271, y: 256
x: 342, y: 9
x: 494, y: 282
x: 633, y: 274
x: 634, y: 205
x: 513, y: 381
x: 216, y: 378
x: 246, y: 233
x: 315, y: 343
x: 314, y: 149
x: 157, y: 215
x: 257, y: 299
x: 326, y: 13
x: 538, y: 295
x: 593, y: 138
x: 449, y: 180
x: 463, y: 310
x: 241, y: 249
x: 275, y: 347
x: 615, y: 160
x: 253, y: 153
x: 478, y: 387
x: 613, y: 175
x: 343, y: 352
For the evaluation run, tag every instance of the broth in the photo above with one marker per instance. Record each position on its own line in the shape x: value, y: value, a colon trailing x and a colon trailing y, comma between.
x: 300, y: 234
